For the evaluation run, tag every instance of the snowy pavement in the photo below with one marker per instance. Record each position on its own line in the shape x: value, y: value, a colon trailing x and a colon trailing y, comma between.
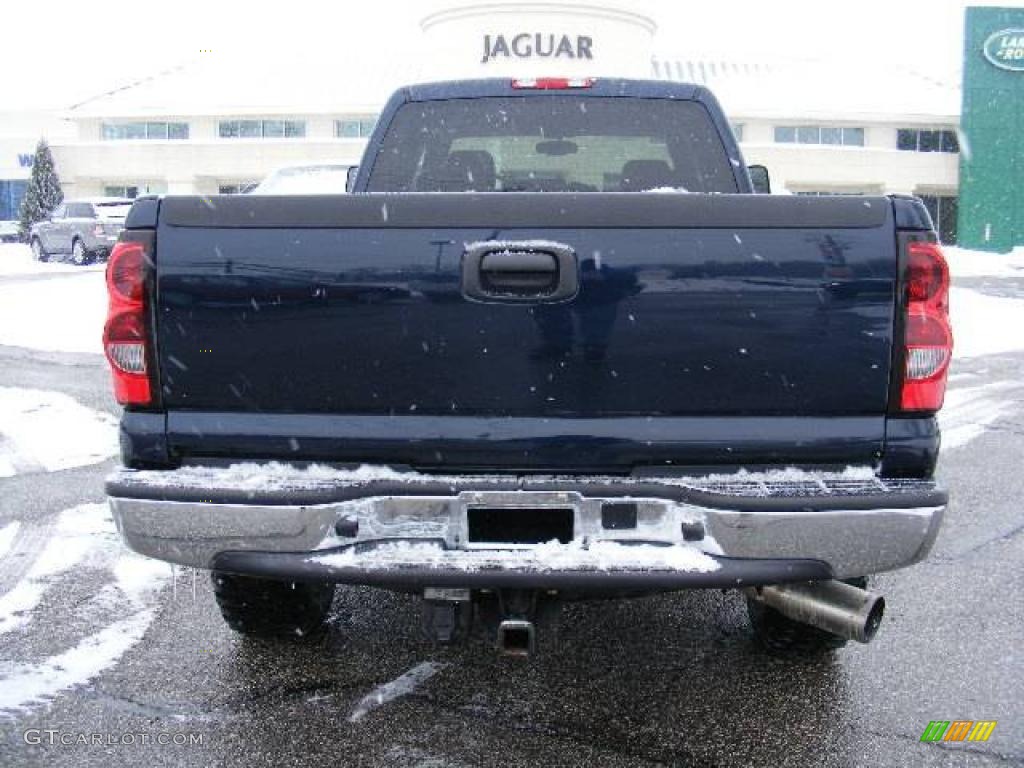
x: 64, y: 312
x: 96, y: 640
x: 43, y: 431
x: 16, y: 261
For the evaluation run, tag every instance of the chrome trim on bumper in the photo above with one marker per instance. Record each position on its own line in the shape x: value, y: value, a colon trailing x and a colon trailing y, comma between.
x: 851, y: 542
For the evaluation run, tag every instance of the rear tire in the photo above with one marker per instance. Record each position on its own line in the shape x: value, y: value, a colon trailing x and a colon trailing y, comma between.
x: 282, y: 610
x: 781, y: 635
x: 38, y: 252
x: 79, y: 254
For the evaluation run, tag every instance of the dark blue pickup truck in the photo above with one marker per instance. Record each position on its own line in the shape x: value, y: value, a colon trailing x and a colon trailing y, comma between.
x: 552, y: 347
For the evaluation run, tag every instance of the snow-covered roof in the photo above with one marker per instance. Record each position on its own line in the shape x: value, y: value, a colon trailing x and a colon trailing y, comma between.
x: 333, y: 83
x: 222, y: 85
x: 796, y: 89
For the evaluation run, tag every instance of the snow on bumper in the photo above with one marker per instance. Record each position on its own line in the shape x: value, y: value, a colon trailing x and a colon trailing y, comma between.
x: 402, y: 529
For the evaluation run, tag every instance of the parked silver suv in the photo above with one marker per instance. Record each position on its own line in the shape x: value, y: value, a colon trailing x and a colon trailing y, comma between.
x: 80, y: 230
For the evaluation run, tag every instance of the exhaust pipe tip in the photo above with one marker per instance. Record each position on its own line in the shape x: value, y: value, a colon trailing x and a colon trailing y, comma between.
x: 833, y: 606
x: 517, y: 637
x: 875, y: 610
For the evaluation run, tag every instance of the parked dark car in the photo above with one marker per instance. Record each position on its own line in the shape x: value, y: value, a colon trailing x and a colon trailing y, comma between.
x: 552, y: 347
x: 80, y: 231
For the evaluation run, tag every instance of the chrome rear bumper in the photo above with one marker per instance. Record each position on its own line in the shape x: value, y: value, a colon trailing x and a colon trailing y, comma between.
x: 405, y: 529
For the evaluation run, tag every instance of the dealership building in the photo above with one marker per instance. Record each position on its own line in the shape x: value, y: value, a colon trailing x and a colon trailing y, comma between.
x: 218, y: 125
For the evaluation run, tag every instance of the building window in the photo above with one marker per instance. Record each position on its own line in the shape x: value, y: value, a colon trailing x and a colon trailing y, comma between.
x: 12, y: 192
x: 156, y: 130
x: 121, y: 190
x: 820, y: 134
x: 131, y: 190
x: 943, y: 210
x: 916, y: 140
x: 233, y: 188
x: 262, y: 129
x: 354, y: 128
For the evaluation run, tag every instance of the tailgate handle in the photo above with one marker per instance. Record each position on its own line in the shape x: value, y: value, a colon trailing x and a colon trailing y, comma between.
x: 518, y: 261
x: 519, y: 272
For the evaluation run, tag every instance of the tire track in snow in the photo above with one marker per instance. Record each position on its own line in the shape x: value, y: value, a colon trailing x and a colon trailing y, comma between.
x: 29, y: 684
x: 7, y: 535
x: 78, y: 531
x: 79, y: 540
x: 27, y: 541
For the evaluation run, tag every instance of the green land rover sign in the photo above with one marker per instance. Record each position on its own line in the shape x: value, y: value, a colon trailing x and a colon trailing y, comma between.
x: 1005, y: 49
x: 990, y: 210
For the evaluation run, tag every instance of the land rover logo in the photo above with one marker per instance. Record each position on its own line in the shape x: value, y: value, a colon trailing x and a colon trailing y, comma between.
x: 528, y: 45
x: 1005, y: 49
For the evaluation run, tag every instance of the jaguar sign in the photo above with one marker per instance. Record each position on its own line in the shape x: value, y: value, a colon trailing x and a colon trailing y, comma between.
x: 529, y: 45
x: 1005, y: 49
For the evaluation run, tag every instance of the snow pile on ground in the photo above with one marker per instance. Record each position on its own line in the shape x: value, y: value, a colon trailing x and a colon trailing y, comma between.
x: 17, y: 259
x: 965, y: 263
x: 82, y: 539
x: 62, y: 314
x: 44, y: 431
x: 553, y: 555
x: 985, y: 325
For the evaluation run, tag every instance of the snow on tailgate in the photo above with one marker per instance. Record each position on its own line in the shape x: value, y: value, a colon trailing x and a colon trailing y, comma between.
x: 279, y: 476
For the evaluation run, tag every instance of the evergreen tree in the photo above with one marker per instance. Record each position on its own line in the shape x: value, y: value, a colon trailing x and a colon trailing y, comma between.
x: 43, y: 193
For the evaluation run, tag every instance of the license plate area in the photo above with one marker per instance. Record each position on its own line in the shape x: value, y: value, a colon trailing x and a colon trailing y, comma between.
x: 518, y: 526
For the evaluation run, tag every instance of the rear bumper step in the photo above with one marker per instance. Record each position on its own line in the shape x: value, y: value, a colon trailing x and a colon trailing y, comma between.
x: 510, y: 570
x: 275, y: 483
x: 347, y: 525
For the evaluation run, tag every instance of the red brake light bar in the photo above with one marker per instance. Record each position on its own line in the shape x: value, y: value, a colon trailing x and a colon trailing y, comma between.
x: 552, y: 83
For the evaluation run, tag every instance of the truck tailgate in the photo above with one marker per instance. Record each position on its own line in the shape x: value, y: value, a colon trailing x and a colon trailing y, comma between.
x: 705, y: 328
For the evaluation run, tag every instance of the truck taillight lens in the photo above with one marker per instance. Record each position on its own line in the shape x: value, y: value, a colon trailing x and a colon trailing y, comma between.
x: 126, y: 272
x: 125, y: 336
x: 928, y: 337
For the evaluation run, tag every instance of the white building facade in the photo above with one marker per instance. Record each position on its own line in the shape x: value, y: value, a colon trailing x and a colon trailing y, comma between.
x: 214, y: 128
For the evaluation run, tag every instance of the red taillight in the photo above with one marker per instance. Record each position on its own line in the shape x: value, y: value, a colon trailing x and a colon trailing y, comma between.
x: 927, y: 275
x: 124, y: 335
x: 126, y: 272
x: 928, y: 337
x: 552, y: 83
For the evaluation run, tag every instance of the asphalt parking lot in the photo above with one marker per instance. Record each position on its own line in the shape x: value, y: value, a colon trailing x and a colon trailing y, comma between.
x: 669, y: 680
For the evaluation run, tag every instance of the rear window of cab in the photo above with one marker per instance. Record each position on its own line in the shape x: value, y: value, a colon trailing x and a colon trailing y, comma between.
x: 552, y: 144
